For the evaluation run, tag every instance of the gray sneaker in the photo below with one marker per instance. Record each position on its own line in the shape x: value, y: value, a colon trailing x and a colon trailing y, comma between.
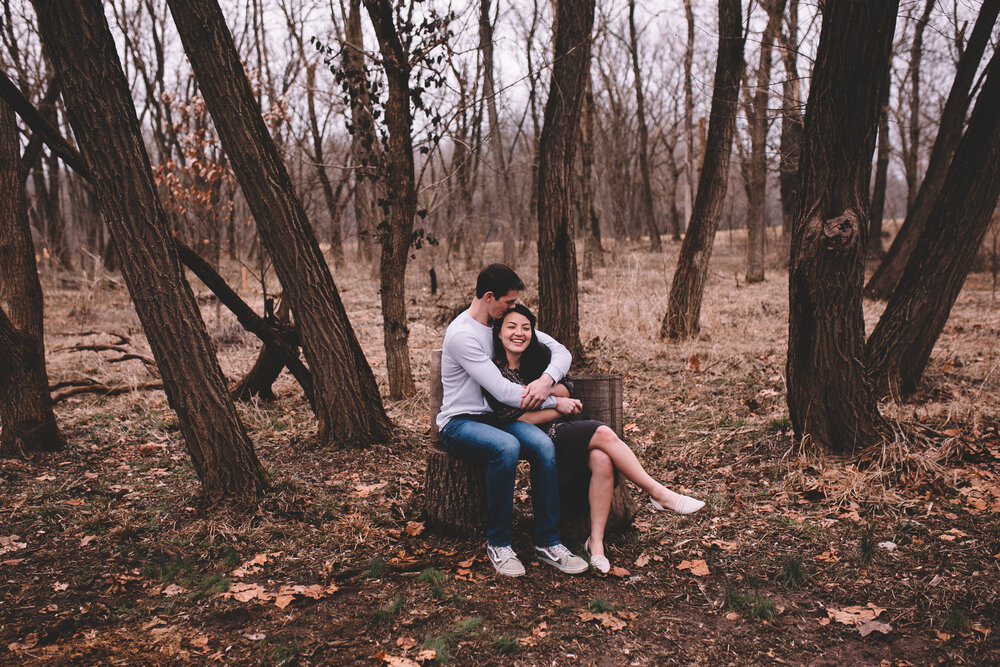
x: 562, y: 559
x: 505, y: 561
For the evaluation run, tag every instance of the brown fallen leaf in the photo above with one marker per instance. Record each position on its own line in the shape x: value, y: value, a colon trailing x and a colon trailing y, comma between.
x: 698, y: 568
x: 426, y: 654
x: 943, y: 636
x: 395, y: 661
x: 414, y: 528
x: 606, y: 619
x: 824, y: 621
x: 872, y: 626
x: 87, y: 540
x: 541, y: 630
x: 855, y: 614
x: 467, y: 563
x: 619, y: 572
x: 406, y: 643
x: 174, y: 590
x: 694, y: 363
x: 58, y: 586
x: 25, y: 644
x: 732, y: 616
x: 642, y: 560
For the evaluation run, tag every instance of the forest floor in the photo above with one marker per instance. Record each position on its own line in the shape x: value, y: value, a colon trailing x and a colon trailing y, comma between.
x: 109, y: 555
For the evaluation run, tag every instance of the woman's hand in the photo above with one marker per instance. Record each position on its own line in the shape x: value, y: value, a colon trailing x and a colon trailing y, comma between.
x: 568, y: 406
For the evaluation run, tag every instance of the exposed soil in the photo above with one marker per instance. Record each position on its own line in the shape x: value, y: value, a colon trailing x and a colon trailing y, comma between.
x: 108, y: 554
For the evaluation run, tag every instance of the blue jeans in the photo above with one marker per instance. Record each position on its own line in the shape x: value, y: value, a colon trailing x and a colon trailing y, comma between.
x: 500, y: 448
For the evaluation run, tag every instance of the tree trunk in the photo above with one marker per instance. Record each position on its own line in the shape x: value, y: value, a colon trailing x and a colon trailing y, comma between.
x: 645, y: 179
x: 559, y: 306
x: 691, y: 162
x: 911, y: 150
x: 101, y: 112
x: 402, y: 200
x: 830, y: 400
x: 687, y: 289
x: 882, y: 282
x: 791, y: 127
x: 593, y: 252
x: 270, y: 361
x: 875, y: 248
x: 332, y: 207
x: 901, y: 344
x: 348, y: 405
x: 364, y: 144
x: 758, y: 124
x: 26, y: 418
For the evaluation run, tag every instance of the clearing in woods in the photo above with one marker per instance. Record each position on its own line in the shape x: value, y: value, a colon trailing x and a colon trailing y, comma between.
x: 108, y: 555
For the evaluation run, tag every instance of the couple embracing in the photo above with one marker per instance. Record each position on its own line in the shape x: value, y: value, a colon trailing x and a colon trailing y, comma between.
x: 506, y: 398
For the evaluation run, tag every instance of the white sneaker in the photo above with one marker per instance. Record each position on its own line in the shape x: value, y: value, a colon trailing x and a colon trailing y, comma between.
x: 562, y: 559
x: 600, y: 563
x: 505, y: 561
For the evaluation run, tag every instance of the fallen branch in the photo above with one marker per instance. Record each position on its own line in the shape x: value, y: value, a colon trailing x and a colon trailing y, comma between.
x: 104, y: 390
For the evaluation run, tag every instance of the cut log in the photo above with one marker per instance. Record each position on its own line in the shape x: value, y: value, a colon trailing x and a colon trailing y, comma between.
x: 455, y: 490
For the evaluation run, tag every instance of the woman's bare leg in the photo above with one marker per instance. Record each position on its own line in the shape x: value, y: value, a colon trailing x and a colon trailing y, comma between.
x: 602, y: 487
x: 625, y: 461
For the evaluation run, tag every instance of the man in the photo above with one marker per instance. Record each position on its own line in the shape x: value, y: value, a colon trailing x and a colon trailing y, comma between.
x: 469, y: 432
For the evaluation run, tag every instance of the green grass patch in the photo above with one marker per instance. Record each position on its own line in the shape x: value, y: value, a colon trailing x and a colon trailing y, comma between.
x: 432, y: 576
x: 376, y: 568
x: 779, y: 425
x: 598, y: 606
x: 955, y: 621
x: 792, y: 573
x: 388, y: 612
x: 284, y: 655
x: 469, y: 625
x: 751, y: 605
x: 210, y: 585
x: 732, y: 422
x: 441, y: 645
x: 506, y: 645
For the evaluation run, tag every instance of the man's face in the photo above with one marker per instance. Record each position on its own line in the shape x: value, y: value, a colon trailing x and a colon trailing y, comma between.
x: 497, y: 307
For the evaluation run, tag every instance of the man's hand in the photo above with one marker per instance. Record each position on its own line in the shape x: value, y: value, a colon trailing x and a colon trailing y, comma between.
x: 568, y: 406
x: 536, y: 392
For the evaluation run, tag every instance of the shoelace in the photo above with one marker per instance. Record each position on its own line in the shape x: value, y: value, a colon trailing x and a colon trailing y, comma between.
x: 559, y: 551
x: 504, y: 553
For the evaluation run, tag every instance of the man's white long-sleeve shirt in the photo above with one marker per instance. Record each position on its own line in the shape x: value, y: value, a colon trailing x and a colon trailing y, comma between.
x: 467, y: 369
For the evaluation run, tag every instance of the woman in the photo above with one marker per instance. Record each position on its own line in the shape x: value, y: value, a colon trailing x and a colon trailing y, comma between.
x: 582, y: 445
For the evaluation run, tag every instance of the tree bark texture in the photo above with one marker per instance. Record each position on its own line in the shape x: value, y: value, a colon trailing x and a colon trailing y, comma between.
x: 757, y: 117
x: 901, y: 344
x: 882, y: 282
x: 875, y: 249
x: 593, y: 252
x: 364, y: 144
x: 911, y: 150
x: 830, y: 400
x: 791, y: 126
x: 348, y: 405
x: 27, y: 423
x: 332, y: 207
x: 688, y: 286
x: 402, y: 196
x: 101, y: 112
x: 559, y: 307
x: 645, y: 179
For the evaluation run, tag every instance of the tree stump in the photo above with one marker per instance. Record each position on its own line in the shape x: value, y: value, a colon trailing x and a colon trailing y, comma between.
x: 455, y: 490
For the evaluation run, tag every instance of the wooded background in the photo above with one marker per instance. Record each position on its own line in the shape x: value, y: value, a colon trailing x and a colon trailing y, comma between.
x: 268, y: 142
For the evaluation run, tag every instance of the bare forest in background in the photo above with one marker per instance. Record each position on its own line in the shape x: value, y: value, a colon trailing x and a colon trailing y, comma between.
x: 776, y: 218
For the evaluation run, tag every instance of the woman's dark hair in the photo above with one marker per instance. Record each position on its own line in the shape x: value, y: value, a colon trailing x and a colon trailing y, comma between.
x: 535, y: 358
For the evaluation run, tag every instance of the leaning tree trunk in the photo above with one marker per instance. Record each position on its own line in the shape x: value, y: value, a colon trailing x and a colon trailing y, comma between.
x: 830, y: 400
x: 27, y: 423
x: 559, y: 306
x: 593, y: 252
x: 882, y: 282
x: 901, y: 344
x: 348, y: 405
x: 402, y: 200
x: 76, y: 36
x: 645, y: 179
x: 684, y: 305
x: 332, y: 205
